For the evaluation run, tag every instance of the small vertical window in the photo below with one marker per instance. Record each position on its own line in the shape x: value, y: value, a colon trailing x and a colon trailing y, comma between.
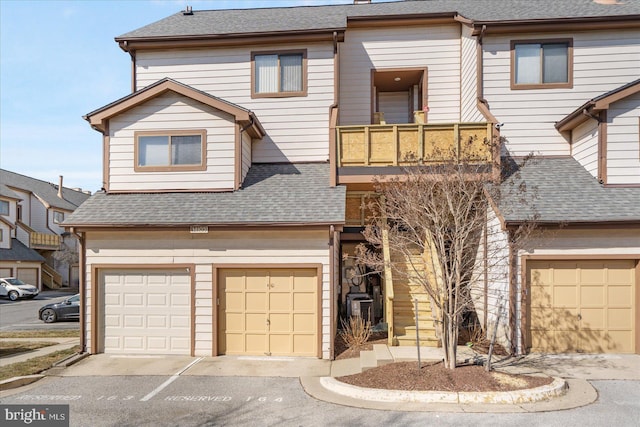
x: 165, y: 151
x: 4, y: 207
x: 279, y: 74
x: 58, y: 217
x: 541, y: 64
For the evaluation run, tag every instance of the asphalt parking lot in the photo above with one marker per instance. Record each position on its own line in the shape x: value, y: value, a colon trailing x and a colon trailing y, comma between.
x: 270, y: 401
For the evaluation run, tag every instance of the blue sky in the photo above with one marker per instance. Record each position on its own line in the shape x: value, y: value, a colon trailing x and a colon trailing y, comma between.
x: 58, y: 61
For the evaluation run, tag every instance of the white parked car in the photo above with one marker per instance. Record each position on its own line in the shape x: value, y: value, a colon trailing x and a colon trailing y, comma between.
x: 15, y: 288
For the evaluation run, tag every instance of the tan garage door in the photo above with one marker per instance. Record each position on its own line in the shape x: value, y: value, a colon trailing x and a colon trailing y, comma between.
x: 5, y: 272
x: 582, y: 306
x: 28, y: 275
x: 268, y: 312
x: 147, y: 312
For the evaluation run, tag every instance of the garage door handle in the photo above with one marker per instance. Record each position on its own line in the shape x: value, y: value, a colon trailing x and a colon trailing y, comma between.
x: 268, y: 322
x: 579, y: 316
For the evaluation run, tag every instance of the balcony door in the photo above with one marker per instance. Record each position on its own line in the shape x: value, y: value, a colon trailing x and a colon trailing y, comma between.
x: 396, y: 93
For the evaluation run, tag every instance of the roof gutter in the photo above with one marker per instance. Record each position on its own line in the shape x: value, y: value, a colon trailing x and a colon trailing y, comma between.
x: 128, y: 44
x: 567, y: 24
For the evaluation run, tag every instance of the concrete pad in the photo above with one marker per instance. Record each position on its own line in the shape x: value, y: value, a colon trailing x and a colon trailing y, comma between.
x: 109, y: 364
x: 344, y: 367
x: 582, y: 366
x: 383, y: 355
x: 291, y: 367
x: 368, y: 360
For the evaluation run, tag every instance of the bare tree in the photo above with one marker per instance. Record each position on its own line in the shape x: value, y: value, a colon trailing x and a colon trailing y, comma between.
x: 441, y: 212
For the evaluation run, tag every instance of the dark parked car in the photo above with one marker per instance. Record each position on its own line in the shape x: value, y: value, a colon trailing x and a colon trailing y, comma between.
x: 68, y: 309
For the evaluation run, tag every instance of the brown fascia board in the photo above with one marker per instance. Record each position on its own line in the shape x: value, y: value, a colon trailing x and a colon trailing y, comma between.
x: 396, y: 20
x: 579, y: 224
x: 99, y: 118
x: 566, y: 24
x: 224, y: 40
x: 219, y: 226
x: 9, y: 223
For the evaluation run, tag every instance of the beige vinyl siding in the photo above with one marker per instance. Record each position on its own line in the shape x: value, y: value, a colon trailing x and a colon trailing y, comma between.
x: 434, y: 47
x: 602, y: 61
x: 395, y: 106
x: 172, y: 112
x: 296, y: 127
x: 38, y: 216
x: 495, y: 257
x: 623, y: 141
x: 468, y: 78
x: 246, y: 154
x: 217, y: 248
x: 584, y: 146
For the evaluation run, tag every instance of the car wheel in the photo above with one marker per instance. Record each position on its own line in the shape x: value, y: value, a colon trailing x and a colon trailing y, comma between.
x: 13, y: 295
x: 49, y: 316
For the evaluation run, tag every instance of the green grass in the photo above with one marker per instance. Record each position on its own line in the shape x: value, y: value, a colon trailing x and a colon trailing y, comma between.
x: 46, y: 333
x: 8, y: 348
x: 36, y: 364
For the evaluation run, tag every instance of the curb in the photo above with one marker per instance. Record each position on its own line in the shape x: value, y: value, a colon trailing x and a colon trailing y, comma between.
x: 557, y: 388
x: 16, y: 382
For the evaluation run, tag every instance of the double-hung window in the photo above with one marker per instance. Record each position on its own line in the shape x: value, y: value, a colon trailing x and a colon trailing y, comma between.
x: 170, y: 150
x: 279, y: 74
x: 542, y: 64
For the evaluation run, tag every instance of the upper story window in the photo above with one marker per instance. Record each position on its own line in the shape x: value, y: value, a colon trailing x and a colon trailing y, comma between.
x: 58, y: 217
x: 4, y: 207
x: 279, y: 74
x: 170, y: 151
x: 542, y: 64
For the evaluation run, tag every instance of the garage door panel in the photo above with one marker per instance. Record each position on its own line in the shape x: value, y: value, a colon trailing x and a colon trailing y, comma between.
x: 271, y: 302
x: 621, y: 341
x: 255, y: 301
x: 592, y: 305
x: 565, y: 296
x: 564, y: 319
x: 147, y: 312
x: 620, y: 296
x: 593, y: 318
x: 620, y: 318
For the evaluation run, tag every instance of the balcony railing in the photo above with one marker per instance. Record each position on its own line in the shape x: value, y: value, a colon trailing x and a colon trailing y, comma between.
x: 403, y: 144
x: 36, y: 240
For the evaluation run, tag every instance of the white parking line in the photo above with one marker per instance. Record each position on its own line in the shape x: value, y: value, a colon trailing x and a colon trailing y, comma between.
x: 169, y: 381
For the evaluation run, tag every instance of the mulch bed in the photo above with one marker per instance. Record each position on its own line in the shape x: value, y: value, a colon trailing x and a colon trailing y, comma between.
x: 435, y: 377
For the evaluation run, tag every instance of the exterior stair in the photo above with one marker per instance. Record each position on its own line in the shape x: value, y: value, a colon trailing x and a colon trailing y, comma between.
x: 407, y: 288
x: 50, y: 277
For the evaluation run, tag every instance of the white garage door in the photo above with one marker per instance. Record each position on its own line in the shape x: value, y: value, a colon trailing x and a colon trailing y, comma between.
x: 147, y: 312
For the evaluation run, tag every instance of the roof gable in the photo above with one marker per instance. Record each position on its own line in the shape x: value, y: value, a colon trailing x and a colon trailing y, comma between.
x: 99, y: 118
x: 595, y: 105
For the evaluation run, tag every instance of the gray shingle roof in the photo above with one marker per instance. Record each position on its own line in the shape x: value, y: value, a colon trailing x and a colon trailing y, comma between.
x: 20, y: 252
x: 272, y: 194
x: 560, y: 190
x: 310, y: 18
x: 45, y: 190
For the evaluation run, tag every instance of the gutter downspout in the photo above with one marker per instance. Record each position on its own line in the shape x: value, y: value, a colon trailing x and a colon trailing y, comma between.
x: 82, y: 288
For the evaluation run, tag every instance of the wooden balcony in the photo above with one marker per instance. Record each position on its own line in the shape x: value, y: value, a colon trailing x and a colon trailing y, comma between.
x: 44, y: 241
x: 404, y: 144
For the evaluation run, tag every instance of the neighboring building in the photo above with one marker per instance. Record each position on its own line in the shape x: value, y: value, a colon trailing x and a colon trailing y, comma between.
x: 235, y: 172
x: 31, y: 212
